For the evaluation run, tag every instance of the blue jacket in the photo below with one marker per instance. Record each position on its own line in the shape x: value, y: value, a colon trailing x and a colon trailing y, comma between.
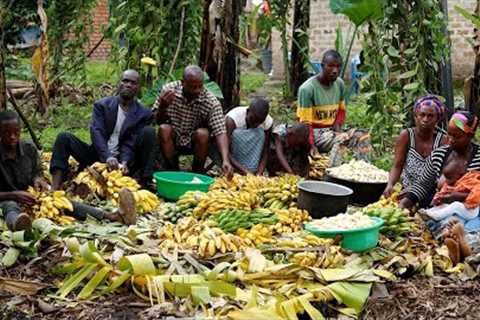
x: 103, y: 122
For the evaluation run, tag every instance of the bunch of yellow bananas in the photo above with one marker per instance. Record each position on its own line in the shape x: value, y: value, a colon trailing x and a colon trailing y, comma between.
x: 249, y: 183
x: 331, y: 258
x: 114, y: 181
x: 145, y: 201
x: 290, y: 220
x: 258, y: 234
x: 218, y: 200
x: 51, y: 206
x: 302, y: 241
x: 205, y: 239
x: 318, y: 164
x: 391, y: 201
x: 280, y: 192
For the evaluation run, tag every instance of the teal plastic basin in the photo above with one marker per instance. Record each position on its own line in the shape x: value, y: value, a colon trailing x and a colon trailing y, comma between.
x: 356, y: 240
x: 172, y: 185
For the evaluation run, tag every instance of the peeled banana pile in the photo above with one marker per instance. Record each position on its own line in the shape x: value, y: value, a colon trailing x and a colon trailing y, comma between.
x: 230, y: 220
x: 359, y: 171
x: 204, y: 239
x: 218, y: 200
x: 51, y: 206
x: 318, y: 164
x: 290, y: 220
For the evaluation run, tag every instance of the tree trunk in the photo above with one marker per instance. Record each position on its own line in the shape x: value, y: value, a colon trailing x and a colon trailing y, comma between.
x: 446, y: 67
x: 3, y: 80
x: 472, y: 84
x: 301, y: 24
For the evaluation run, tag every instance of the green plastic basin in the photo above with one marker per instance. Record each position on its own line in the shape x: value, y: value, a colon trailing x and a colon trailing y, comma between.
x: 356, y: 240
x: 172, y: 185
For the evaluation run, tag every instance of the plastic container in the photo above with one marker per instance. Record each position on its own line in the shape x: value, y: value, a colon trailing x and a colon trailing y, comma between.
x: 323, y: 199
x: 173, y: 184
x: 356, y: 240
x: 364, y: 193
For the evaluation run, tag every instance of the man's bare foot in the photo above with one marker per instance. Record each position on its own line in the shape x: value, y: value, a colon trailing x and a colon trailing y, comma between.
x: 127, y: 206
x: 453, y: 250
x: 113, y: 216
x: 459, y: 233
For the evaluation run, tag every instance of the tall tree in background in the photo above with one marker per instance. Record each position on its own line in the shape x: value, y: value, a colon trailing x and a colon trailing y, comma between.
x: 219, y: 54
x: 301, y: 24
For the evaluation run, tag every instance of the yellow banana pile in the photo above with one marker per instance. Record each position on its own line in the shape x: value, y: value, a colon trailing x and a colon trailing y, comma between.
x: 303, y: 240
x: 218, y: 200
x: 249, y: 183
x: 318, y: 164
x: 258, y: 234
x: 115, y: 181
x: 391, y: 201
x: 280, y: 192
x: 290, y: 220
x: 203, y: 238
x: 51, y: 206
x: 331, y: 258
x: 145, y: 201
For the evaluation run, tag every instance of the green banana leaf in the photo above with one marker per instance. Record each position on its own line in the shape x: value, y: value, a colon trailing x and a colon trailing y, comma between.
x: 358, y: 11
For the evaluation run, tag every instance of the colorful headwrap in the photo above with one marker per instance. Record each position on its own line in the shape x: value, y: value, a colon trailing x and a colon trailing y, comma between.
x: 431, y: 101
x: 461, y: 121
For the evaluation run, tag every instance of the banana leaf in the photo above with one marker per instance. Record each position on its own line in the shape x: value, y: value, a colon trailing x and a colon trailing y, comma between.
x: 139, y: 264
x: 358, y: 11
x: 353, y: 295
x: 10, y: 257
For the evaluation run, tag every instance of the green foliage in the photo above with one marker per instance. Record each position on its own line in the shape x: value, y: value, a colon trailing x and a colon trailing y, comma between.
x: 251, y: 82
x: 69, y: 27
x: 403, y: 51
x: 16, y: 18
x: 358, y: 11
x: 151, y: 28
x: 99, y: 72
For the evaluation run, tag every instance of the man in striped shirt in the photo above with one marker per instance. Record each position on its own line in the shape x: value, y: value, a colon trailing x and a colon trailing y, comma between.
x: 321, y: 102
x: 188, y: 116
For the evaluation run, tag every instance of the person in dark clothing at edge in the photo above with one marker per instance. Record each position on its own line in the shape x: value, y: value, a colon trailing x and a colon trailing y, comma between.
x: 120, y: 135
x: 20, y: 168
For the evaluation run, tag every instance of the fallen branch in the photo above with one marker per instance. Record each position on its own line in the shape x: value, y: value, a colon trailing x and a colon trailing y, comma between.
x: 24, y: 119
x: 95, y: 46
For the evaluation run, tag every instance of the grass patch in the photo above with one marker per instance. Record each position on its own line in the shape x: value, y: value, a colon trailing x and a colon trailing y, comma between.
x: 99, y: 72
x: 251, y: 82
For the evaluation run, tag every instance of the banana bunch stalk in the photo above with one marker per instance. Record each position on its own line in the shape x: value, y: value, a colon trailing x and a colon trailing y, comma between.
x: 218, y: 200
x: 206, y: 240
x: 257, y: 235
x: 51, y: 206
x: 290, y: 220
x: 318, y: 164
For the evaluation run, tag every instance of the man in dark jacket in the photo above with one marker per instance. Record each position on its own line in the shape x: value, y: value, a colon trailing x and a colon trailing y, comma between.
x: 120, y: 136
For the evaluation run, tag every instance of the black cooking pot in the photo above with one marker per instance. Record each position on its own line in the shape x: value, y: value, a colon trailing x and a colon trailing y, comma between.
x: 323, y: 199
x: 364, y: 193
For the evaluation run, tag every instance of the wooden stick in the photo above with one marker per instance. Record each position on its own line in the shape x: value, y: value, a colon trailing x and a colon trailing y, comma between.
x: 179, y: 44
x: 24, y: 119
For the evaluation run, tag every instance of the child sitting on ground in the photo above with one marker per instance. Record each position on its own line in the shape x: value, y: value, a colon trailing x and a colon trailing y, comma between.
x: 289, y: 150
x: 455, y: 180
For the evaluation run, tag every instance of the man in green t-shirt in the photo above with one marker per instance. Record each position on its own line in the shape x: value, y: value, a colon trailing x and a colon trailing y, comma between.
x: 321, y: 102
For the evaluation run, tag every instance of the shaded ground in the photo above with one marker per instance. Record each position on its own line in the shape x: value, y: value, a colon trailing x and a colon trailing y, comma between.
x: 431, y: 298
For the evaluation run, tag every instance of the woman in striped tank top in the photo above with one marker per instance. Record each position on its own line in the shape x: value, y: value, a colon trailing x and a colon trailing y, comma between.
x: 414, y: 145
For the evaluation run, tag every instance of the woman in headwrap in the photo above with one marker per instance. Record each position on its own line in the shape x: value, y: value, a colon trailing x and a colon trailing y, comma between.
x: 414, y: 145
x: 465, y: 155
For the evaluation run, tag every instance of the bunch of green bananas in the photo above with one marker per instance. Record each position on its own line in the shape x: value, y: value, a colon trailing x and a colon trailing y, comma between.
x: 397, y: 222
x: 230, y: 220
x: 282, y: 194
